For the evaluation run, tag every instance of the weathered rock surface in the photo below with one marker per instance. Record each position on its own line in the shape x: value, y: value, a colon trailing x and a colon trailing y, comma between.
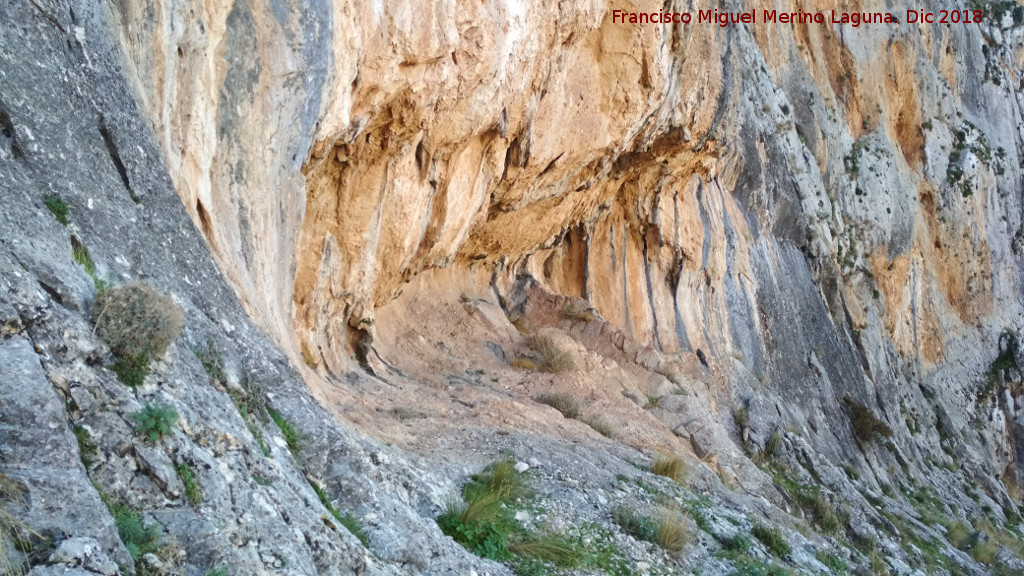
x: 729, y: 231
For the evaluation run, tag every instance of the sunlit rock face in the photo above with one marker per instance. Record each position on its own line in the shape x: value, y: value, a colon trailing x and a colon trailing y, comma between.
x: 821, y: 210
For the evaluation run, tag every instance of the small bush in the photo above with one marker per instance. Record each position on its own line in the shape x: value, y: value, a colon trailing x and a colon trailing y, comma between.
x: 86, y: 447
x: 292, y: 437
x: 672, y: 467
x: 866, y: 427
x: 601, y: 427
x: 564, y: 403
x: 552, y: 356
x: 135, y: 320
x: 773, y: 539
x: 58, y: 207
x: 825, y: 514
x: 155, y: 421
x: 193, y: 493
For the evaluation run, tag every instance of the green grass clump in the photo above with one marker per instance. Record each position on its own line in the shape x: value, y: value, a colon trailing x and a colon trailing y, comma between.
x: 484, y: 523
x: 86, y: 447
x: 668, y: 530
x: 137, y: 537
x: 193, y: 493
x: 671, y: 467
x: 737, y: 544
x: 812, y: 501
x: 354, y: 526
x: 736, y: 549
x: 292, y: 437
x: 348, y: 520
x: 832, y: 561
x: 564, y: 403
x: 155, y: 421
x: 58, y: 207
x: 634, y: 524
x: 773, y: 539
x: 772, y: 445
x: 80, y: 254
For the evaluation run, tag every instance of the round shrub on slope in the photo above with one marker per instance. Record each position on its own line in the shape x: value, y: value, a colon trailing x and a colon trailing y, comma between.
x: 135, y: 320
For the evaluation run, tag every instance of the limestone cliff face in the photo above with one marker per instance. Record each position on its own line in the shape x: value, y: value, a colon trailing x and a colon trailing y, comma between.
x: 818, y: 203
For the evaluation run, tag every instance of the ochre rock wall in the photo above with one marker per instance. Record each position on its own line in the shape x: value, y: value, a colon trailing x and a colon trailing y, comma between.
x: 775, y: 194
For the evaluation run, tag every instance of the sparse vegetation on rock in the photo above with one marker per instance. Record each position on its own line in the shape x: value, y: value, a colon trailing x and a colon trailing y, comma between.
x: 137, y: 323
x: 292, y: 437
x: 669, y: 466
x: 155, y: 421
x: 564, y: 403
x: 58, y: 207
x: 867, y: 427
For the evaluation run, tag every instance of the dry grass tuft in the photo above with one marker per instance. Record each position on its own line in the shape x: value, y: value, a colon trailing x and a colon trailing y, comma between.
x: 601, y: 426
x: 553, y: 357
x: 12, y: 531
x: 564, y: 403
x: 671, y: 532
x: 671, y: 467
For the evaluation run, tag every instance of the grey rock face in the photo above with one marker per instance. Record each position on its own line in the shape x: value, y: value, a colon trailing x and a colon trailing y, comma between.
x: 72, y: 127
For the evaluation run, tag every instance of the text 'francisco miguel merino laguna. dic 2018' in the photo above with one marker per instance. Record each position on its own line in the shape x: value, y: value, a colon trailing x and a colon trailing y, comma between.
x: 724, y: 19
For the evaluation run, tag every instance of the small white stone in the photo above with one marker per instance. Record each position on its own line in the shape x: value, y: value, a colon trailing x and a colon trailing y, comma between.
x: 642, y: 566
x: 534, y: 463
x: 522, y: 466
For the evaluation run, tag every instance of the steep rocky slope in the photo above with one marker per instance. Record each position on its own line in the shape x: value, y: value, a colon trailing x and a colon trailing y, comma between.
x: 790, y: 255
